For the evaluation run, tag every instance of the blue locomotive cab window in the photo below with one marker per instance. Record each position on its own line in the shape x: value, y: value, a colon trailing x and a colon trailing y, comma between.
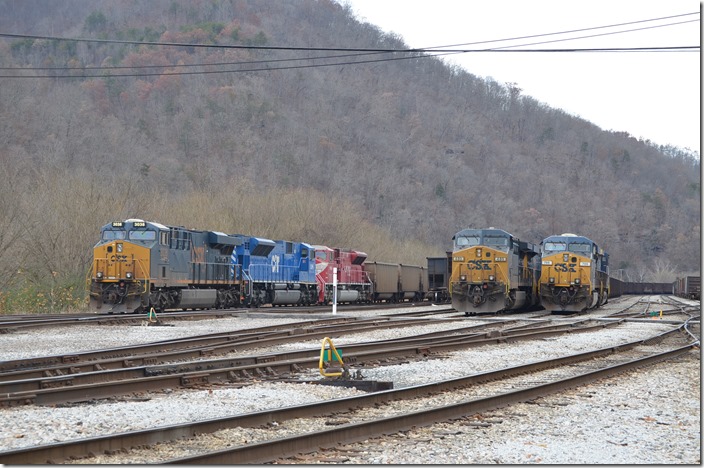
x: 113, y: 235
x: 143, y: 235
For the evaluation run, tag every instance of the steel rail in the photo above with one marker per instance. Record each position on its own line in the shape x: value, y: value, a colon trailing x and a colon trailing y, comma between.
x: 59, y: 452
x: 355, y: 432
x: 105, y: 384
x: 238, y: 370
x: 69, y: 361
x: 181, y: 349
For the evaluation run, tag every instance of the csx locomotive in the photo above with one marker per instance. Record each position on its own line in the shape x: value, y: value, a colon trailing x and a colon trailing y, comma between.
x: 493, y: 271
x: 138, y: 265
x: 575, y: 274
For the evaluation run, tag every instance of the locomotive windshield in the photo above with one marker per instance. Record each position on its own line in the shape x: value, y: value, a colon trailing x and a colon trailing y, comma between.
x: 321, y: 255
x: 467, y: 241
x: 496, y: 241
x: 580, y: 247
x: 113, y: 235
x: 143, y: 235
x: 554, y: 247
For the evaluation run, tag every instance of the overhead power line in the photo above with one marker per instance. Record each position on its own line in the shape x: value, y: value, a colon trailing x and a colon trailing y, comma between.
x: 414, y: 53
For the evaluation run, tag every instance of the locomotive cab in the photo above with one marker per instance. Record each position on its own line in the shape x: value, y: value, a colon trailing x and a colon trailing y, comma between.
x: 121, y: 265
x: 575, y: 274
x: 492, y: 271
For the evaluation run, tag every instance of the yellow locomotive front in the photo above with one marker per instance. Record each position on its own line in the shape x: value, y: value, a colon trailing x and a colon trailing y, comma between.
x: 492, y: 271
x: 574, y: 274
x: 121, y: 267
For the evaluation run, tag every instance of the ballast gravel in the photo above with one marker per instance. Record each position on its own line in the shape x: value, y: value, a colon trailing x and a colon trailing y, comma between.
x: 651, y: 415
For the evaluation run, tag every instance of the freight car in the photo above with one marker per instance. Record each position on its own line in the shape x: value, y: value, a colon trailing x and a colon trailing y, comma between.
x: 397, y: 282
x: 575, y: 274
x: 493, y: 271
x: 688, y: 287
x: 615, y: 287
x: 439, y: 271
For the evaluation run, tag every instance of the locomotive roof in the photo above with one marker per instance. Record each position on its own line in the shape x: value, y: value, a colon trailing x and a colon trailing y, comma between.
x: 483, y: 232
x: 568, y: 238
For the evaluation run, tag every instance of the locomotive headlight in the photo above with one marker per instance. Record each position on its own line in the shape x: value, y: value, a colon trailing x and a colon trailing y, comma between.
x: 492, y: 277
x: 463, y: 277
x: 577, y: 281
x: 99, y: 275
x: 119, y: 248
x: 552, y: 280
x: 565, y: 257
x: 128, y: 275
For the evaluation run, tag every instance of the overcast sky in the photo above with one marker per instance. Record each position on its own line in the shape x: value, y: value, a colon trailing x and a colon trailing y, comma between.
x: 651, y: 95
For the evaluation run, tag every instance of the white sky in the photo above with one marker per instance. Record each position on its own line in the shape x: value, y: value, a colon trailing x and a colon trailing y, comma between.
x: 650, y: 95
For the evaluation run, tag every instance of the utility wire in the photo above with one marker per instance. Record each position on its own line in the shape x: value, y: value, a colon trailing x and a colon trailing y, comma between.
x: 571, y: 31
x: 428, y: 49
x: 427, y: 52
x: 335, y: 64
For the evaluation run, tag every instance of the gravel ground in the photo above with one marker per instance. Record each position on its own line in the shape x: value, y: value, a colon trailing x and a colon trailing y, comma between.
x: 651, y: 416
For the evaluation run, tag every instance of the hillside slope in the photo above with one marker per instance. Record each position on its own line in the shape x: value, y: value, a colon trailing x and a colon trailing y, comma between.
x: 409, y: 145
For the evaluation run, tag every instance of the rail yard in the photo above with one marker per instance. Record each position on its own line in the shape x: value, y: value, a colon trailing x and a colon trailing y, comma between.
x: 617, y: 384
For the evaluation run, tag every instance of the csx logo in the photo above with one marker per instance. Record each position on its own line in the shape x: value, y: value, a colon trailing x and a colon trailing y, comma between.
x: 118, y: 258
x: 478, y: 264
x: 565, y: 267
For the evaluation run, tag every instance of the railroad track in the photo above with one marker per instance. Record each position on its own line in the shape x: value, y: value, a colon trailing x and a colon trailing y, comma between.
x: 126, y: 374
x: 360, y: 417
x: 215, y: 343
x: 12, y: 323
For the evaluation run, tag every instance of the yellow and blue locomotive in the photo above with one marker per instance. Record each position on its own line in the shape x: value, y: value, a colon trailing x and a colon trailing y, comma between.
x: 139, y: 264
x: 493, y: 271
x: 575, y: 274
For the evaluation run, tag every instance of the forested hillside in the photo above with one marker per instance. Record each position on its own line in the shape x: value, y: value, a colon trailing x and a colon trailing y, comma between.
x: 388, y: 156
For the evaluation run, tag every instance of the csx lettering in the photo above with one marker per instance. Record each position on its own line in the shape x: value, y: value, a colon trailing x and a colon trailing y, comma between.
x: 478, y: 265
x: 118, y: 258
x: 564, y: 267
